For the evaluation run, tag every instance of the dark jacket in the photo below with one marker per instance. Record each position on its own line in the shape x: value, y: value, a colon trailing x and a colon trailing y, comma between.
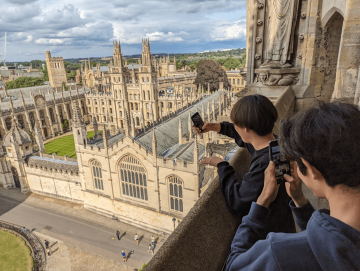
x: 239, y: 194
x: 325, y: 243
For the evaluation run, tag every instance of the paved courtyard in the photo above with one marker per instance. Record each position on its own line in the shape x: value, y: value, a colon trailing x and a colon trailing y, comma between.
x: 82, y: 239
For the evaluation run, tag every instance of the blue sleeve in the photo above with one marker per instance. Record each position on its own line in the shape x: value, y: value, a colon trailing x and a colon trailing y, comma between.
x: 249, y: 249
x: 302, y: 214
x: 239, y: 195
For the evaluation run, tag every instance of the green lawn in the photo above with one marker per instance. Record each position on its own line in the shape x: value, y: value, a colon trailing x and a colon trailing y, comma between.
x: 14, y: 253
x: 64, y: 145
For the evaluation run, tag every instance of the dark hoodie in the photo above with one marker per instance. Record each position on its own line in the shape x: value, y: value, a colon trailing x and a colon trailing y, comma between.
x: 325, y: 243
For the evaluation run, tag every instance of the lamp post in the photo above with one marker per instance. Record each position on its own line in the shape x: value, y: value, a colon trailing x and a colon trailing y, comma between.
x: 174, y: 220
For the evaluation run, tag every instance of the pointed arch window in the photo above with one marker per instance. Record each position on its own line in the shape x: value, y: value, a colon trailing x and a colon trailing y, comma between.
x: 175, y: 193
x: 97, y: 175
x: 133, y: 178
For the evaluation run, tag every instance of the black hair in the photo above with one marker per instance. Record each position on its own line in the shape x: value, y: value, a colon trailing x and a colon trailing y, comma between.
x: 254, y: 112
x: 327, y: 136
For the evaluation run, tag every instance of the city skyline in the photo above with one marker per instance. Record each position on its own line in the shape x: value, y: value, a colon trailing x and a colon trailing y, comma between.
x: 79, y: 28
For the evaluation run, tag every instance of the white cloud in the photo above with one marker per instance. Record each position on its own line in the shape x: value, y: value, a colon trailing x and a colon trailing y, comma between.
x: 29, y: 38
x: 236, y: 30
x: 50, y: 41
x: 81, y: 28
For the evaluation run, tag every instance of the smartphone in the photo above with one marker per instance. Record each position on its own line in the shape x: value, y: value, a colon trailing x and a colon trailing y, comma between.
x: 282, y: 166
x: 197, y: 120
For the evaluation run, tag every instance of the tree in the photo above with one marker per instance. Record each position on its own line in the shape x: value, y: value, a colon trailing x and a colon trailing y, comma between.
x: 45, y: 73
x: 36, y: 64
x: 64, y: 86
x: 23, y: 82
x: 209, y: 71
x: 65, y: 125
x: 71, y: 75
x: 183, y: 63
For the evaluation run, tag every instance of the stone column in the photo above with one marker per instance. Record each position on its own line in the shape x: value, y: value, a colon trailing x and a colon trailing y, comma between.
x: 347, y: 76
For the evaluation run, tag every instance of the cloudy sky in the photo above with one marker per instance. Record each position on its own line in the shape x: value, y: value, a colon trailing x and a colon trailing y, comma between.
x: 86, y: 28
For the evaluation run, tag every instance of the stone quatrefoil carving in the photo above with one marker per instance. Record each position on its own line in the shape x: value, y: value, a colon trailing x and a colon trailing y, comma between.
x: 303, y: 16
x: 259, y: 22
x: 260, y: 5
x: 299, y: 56
x: 301, y: 37
x: 257, y: 56
x: 258, y: 39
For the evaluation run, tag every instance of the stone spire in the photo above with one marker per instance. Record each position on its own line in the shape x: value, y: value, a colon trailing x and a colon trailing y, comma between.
x: 39, y: 138
x: 12, y: 106
x: 190, y: 126
x: 96, y: 129
x: 133, y: 73
x: 196, y: 151
x: 154, y: 144
x: 213, y: 110
x: 208, y: 112
x: 132, y: 132
x: 202, y: 112
x: 77, y: 120
x: 208, y: 89
x: 127, y: 124
x: 180, y: 131
x: 105, y: 137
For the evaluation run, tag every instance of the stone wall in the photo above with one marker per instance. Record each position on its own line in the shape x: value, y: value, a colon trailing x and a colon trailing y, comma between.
x: 55, y: 183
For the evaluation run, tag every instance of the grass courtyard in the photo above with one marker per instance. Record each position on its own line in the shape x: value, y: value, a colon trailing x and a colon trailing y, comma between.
x: 14, y: 253
x: 64, y: 145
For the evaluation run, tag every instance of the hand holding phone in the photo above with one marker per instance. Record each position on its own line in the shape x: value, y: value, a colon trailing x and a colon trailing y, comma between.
x: 197, y: 120
x: 282, y: 166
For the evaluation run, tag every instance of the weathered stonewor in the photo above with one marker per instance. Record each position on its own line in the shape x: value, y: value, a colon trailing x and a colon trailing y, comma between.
x: 32, y: 241
x: 202, y: 240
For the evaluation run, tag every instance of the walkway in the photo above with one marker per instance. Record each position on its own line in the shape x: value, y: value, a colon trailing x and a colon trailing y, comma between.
x: 69, y: 223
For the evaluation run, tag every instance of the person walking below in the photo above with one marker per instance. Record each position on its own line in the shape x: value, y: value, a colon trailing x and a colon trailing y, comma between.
x: 118, y: 235
x: 153, y: 240
x: 136, y: 237
x: 47, y: 243
x: 151, y: 249
x: 48, y: 251
x: 123, y: 255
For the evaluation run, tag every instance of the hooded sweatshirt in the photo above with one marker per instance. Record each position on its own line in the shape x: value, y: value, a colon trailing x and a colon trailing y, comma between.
x: 325, y: 243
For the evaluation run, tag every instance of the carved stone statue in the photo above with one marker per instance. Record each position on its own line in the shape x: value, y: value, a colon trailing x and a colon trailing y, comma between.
x: 281, y: 28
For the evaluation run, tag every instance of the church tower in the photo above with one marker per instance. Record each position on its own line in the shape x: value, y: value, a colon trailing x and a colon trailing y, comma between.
x: 79, y: 128
x: 147, y: 80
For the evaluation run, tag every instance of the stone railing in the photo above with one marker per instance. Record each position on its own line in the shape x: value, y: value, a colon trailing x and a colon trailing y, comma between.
x: 32, y: 241
x: 203, y: 238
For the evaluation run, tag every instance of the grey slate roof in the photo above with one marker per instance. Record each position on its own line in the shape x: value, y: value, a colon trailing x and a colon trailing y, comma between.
x: 15, y: 93
x: 167, y: 133
x: 39, y: 161
x: 111, y: 140
x: 184, y: 152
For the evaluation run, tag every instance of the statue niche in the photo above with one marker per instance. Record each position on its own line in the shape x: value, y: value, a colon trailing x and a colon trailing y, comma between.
x: 282, y: 16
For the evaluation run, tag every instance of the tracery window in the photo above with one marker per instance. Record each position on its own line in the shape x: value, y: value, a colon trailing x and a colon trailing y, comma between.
x: 234, y: 81
x: 238, y: 81
x: 137, y: 121
x: 52, y: 115
x: 68, y: 110
x: 8, y: 123
x: 42, y: 117
x: 133, y: 178
x: 21, y: 121
x: 120, y: 113
x: 60, y: 113
x: 136, y: 107
x: 176, y: 195
x: 147, y: 106
x: 97, y: 175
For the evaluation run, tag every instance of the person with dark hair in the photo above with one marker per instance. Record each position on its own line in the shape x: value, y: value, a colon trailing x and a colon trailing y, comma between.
x: 324, y: 143
x: 253, y: 120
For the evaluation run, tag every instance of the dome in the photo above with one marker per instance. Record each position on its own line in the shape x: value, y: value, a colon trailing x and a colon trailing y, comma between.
x: 21, y: 136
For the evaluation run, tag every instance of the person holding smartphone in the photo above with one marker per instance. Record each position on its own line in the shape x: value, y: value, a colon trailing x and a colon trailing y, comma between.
x: 330, y: 168
x: 253, y: 120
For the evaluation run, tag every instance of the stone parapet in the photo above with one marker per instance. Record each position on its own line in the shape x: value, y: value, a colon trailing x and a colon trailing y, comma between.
x: 203, y: 238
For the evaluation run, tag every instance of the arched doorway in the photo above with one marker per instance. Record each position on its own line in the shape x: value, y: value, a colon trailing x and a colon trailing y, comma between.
x: 45, y: 133
x: 16, y: 177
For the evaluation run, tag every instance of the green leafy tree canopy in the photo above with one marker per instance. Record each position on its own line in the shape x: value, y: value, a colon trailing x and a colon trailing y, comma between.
x: 24, y: 82
x: 209, y: 71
